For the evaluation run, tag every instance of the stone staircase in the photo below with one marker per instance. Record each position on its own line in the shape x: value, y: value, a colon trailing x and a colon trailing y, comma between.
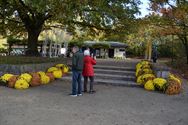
x: 112, y: 75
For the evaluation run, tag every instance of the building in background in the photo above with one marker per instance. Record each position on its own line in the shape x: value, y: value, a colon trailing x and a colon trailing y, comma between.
x: 107, y: 49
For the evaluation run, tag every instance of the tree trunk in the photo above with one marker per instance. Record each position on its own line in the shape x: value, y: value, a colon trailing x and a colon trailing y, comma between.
x: 33, y: 23
x: 9, y: 48
x: 148, y: 51
x: 32, y: 45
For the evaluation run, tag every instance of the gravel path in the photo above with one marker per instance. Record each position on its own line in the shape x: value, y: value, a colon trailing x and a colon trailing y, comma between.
x: 51, y: 105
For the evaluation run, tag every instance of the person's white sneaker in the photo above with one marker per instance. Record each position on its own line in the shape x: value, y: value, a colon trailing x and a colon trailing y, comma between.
x: 79, y: 94
x: 73, y: 95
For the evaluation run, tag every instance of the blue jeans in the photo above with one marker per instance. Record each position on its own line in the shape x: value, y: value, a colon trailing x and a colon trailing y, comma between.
x: 76, y: 82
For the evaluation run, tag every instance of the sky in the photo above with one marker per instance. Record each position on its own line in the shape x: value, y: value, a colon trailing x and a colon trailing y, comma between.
x: 143, y: 8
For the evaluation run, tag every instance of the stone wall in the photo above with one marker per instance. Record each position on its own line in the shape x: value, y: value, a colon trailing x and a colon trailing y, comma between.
x: 161, y: 70
x: 18, y: 69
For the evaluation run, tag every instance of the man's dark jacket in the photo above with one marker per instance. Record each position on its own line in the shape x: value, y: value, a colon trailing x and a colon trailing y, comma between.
x: 78, y: 61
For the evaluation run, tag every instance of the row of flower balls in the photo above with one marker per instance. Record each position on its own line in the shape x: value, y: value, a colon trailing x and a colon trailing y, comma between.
x: 146, y: 78
x: 25, y: 80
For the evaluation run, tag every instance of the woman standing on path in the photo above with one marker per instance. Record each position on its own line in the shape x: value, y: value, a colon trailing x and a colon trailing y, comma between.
x: 88, y: 71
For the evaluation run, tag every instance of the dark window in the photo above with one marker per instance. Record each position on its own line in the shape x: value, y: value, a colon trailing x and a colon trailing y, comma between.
x: 121, y: 50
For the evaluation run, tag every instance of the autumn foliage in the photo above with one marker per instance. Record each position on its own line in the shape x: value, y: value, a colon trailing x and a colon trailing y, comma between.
x: 173, y: 19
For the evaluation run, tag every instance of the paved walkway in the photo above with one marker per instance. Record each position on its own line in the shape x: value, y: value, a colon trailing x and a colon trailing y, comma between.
x: 111, y: 105
x: 51, y: 105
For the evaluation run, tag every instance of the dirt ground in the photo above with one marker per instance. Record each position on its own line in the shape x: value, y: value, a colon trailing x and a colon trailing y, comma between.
x: 111, y: 105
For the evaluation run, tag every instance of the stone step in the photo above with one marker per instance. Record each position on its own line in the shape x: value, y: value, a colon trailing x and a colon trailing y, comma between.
x: 115, y: 77
x: 109, y: 82
x: 112, y: 77
x: 119, y: 68
x: 116, y: 72
x: 115, y: 68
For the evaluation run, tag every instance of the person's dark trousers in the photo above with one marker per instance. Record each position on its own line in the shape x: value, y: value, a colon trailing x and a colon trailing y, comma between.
x: 91, y: 78
x: 76, y: 82
x: 154, y: 60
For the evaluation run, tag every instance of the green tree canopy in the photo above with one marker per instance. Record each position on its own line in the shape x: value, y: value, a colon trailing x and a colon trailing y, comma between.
x: 30, y: 17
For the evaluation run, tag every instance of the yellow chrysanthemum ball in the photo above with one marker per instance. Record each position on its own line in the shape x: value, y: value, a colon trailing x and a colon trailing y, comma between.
x: 65, y: 69
x: 147, y: 70
x: 45, y: 79
x: 139, y: 80
x: 41, y: 73
x: 149, y: 85
x: 138, y: 65
x: 147, y: 77
x: 143, y: 71
x: 6, y: 77
x: 51, y: 69
x: 146, y: 67
x: 173, y: 77
x: 26, y: 76
x: 138, y: 71
x: 21, y: 84
x: 159, y: 83
x: 145, y: 62
x: 59, y: 65
x: 57, y: 74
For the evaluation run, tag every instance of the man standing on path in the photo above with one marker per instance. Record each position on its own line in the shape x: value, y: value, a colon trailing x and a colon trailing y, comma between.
x: 77, y: 67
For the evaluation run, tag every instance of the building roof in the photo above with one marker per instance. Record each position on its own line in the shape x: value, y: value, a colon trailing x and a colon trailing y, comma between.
x: 112, y: 44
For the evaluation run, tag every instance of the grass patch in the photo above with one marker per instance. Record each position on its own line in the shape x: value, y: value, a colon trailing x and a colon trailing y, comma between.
x: 29, y: 60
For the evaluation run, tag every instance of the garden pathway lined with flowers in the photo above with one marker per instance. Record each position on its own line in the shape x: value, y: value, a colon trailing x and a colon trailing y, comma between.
x: 110, y: 105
